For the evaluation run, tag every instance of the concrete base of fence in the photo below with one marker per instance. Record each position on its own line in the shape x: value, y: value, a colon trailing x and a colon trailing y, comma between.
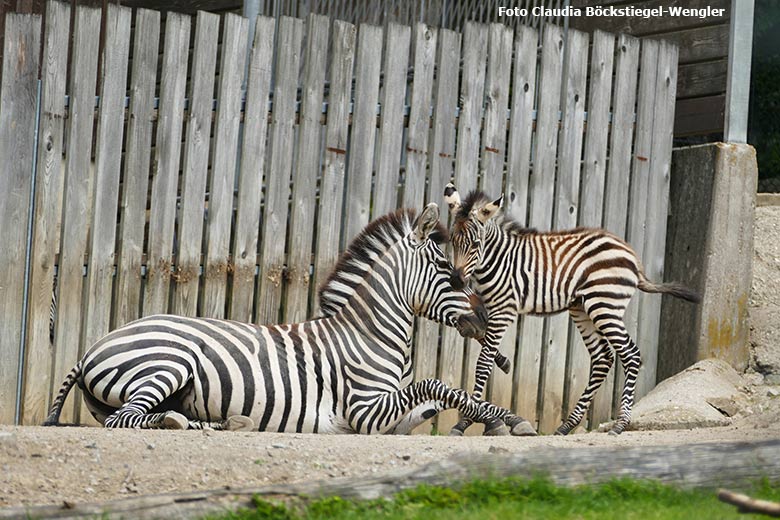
x: 709, y: 248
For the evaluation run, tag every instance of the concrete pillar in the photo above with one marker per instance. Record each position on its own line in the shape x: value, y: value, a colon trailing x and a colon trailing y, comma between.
x: 709, y: 247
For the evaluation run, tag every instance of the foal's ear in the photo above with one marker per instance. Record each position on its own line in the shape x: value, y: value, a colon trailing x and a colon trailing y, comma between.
x: 426, y: 222
x: 452, y: 198
x: 489, y: 210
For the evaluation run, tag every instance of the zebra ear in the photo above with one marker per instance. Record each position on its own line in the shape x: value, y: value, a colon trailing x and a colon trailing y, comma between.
x: 452, y: 198
x: 426, y: 222
x: 489, y: 210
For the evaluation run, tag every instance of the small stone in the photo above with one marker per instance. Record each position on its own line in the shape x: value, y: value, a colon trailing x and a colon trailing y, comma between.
x: 150, y: 446
x: 772, y: 379
x: 773, y: 392
x: 278, y: 445
x: 89, y: 490
x: 91, y: 446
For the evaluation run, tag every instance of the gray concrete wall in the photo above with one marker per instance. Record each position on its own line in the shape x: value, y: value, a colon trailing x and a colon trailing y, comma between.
x: 709, y: 247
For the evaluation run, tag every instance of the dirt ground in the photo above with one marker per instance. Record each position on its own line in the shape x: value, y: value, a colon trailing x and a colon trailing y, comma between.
x: 51, y: 465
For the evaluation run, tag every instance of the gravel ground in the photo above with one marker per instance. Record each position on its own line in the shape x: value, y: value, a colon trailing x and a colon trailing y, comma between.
x: 51, y: 465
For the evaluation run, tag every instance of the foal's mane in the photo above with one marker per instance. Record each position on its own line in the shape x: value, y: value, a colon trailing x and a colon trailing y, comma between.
x: 358, y: 259
x: 477, y: 199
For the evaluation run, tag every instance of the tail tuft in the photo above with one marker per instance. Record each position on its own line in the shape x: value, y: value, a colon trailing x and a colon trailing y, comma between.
x: 677, y: 290
x: 56, y: 407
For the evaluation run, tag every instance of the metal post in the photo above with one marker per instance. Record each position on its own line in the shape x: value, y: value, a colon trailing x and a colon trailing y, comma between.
x: 738, y: 83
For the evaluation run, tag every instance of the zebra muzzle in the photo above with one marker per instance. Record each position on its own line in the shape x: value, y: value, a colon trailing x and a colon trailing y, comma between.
x: 474, y: 324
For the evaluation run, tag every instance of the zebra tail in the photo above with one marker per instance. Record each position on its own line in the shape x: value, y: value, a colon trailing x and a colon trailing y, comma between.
x: 677, y: 290
x: 56, y: 407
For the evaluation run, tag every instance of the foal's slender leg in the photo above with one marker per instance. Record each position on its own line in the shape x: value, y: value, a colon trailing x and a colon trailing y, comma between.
x: 601, y: 360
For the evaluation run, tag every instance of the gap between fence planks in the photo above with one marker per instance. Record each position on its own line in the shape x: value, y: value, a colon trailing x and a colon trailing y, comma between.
x: 709, y: 465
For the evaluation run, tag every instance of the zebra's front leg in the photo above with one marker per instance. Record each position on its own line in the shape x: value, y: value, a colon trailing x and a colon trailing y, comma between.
x: 494, y: 427
x: 234, y: 423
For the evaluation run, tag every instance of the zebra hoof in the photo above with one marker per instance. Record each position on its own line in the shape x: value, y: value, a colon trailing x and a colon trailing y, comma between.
x: 500, y: 430
x: 455, y: 433
x: 523, y: 429
x: 174, y: 421
x: 562, y: 431
x: 239, y: 423
x: 616, y: 431
x: 505, y: 366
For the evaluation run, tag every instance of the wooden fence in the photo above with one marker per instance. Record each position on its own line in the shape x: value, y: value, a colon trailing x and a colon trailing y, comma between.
x: 238, y: 207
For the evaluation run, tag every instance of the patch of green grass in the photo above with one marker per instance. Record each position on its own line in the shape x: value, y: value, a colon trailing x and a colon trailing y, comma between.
x: 518, y: 498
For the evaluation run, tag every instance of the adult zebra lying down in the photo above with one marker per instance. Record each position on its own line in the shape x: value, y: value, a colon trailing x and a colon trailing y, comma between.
x: 590, y: 273
x: 337, y: 374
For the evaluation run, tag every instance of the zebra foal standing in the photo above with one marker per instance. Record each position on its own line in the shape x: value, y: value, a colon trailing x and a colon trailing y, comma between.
x: 340, y: 373
x: 590, y: 273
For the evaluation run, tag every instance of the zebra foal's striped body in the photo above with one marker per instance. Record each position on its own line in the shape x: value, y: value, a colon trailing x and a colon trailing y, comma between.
x: 345, y: 372
x: 590, y: 273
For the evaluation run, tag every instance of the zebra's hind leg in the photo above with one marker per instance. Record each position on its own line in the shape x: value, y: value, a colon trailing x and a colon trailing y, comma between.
x: 148, y: 394
x: 233, y: 423
x: 601, y: 360
x: 630, y: 358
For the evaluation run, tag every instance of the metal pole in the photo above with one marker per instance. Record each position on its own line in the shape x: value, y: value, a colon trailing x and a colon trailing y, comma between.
x: 738, y: 82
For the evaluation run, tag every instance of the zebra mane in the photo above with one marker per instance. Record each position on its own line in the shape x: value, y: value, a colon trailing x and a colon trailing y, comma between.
x: 358, y: 259
x: 478, y: 198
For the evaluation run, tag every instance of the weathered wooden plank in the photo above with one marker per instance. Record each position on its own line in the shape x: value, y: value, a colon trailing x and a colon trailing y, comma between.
x: 541, y: 187
x: 702, y: 79
x: 521, y: 124
x: 616, y: 190
x: 414, y: 194
x: 700, y: 43
x: 640, y: 173
x: 639, y: 25
x: 492, y: 169
x: 361, y: 144
x: 277, y: 186
x: 699, y: 115
x: 108, y: 160
x: 141, y: 114
x: 77, y: 207
x: 304, y: 191
x: 195, y: 166
x: 223, y: 169
x: 450, y: 364
x: 593, y: 174
x: 396, y: 63
x: 49, y: 177
x: 657, y: 206
x: 567, y: 203
x: 250, y: 177
x: 166, y: 163
x: 472, y: 91
x: 18, y: 99
x: 425, y: 354
x: 336, y: 133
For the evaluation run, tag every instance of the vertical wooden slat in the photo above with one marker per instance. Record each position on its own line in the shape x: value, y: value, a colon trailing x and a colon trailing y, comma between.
x: 108, y: 160
x: 427, y: 337
x: 137, y: 157
x: 640, y: 174
x: 304, y: 191
x: 541, y: 187
x: 396, y: 62
x: 48, y: 211
x: 472, y: 89
x: 195, y: 165
x: 492, y: 166
x: 70, y: 303
x: 618, y: 177
x: 419, y: 120
x: 166, y: 163
x: 337, y: 130
x: 442, y: 169
x: 521, y: 124
x: 18, y: 99
x: 657, y: 207
x: 361, y: 144
x: 593, y: 172
x: 223, y: 169
x: 567, y: 202
x: 519, y: 156
x: 277, y: 186
x: 250, y: 179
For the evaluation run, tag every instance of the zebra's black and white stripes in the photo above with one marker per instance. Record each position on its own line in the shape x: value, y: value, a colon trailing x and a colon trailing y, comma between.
x: 341, y: 373
x: 590, y: 273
